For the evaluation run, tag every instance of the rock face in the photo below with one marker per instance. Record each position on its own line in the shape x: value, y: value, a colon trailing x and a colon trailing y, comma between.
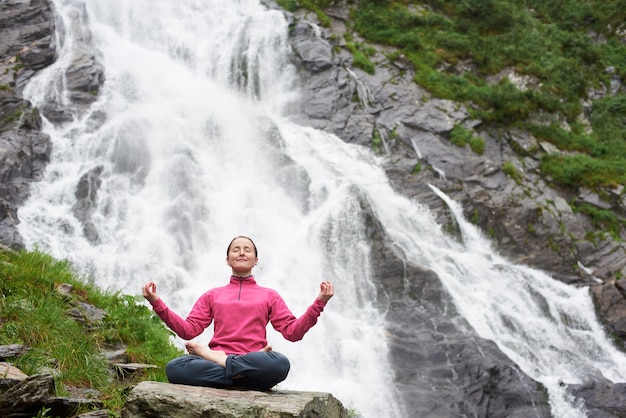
x: 452, y: 372
x: 154, y: 399
x: 531, y: 222
x: 26, y: 46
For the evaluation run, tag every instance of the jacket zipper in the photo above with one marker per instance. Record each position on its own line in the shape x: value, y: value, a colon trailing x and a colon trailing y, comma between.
x: 240, y: 285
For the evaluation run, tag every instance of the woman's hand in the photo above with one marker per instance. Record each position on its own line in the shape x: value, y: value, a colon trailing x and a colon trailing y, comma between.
x: 149, y: 292
x: 326, y: 291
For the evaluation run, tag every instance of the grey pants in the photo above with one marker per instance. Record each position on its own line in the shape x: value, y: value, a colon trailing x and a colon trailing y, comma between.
x: 257, y: 370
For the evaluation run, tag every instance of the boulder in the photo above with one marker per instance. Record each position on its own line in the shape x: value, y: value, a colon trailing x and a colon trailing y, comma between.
x: 27, y: 396
x: 155, y: 399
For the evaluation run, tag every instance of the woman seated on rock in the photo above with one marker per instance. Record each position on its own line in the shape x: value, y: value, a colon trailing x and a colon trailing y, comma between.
x: 238, y: 354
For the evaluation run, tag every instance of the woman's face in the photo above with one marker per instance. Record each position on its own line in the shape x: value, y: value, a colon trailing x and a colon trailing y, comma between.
x: 241, y: 256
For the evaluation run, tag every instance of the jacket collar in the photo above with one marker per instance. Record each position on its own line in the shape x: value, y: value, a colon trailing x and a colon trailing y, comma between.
x: 244, y: 280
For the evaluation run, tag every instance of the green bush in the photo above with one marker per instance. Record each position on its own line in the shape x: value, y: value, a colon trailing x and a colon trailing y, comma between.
x: 477, y: 144
x: 577, y: 170
x: 509, y: 169
x: 608, y: 119
x: 360, y: 60
x: 289, y: 5
x: 601, y: 219
x: 461, y: 136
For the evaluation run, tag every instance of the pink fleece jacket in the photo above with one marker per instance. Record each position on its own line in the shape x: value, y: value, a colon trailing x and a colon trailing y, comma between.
x: 240, y: 311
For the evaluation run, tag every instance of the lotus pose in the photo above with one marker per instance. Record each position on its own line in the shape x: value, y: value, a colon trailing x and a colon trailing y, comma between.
x: 238, y: 354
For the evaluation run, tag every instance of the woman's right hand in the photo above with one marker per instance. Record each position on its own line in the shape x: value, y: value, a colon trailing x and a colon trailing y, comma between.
x: 149, y: 292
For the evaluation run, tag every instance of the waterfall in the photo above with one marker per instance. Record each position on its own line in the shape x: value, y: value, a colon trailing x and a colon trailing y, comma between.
x: 192, y: 140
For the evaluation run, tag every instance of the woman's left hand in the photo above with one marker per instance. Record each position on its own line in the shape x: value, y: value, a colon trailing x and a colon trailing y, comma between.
x: 326, y: 291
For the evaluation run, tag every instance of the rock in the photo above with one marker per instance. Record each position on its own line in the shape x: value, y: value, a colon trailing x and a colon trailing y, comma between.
x: 27, y: 36
x: 437, y: 115
x: 27, y: 44
x: 125, y: 369
x: 116, y: 356
x: 67, y: 407
x: 86, y: 314
x: 314, y: 52
x: 602, y: 399
x: 65, y: 289
x: 11, y: 351
x: 10, y: 376
x: 611, y: 307
x: 27, y: 396
x: 452, y: 371
x: 152, y: 399
x: 84, y: 76
x: 103, y: 413
x: 519, y: 212
x: 86, y: 201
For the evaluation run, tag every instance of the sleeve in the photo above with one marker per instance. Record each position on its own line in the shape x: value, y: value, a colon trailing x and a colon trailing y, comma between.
x: 198, y: 319
x: 292, y: 328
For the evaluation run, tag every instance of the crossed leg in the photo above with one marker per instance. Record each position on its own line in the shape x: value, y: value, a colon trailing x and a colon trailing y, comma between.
x: 205, y: 367
x: 216, y: 356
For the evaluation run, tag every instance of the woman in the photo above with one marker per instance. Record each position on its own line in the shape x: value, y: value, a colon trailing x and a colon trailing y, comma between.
x: 238, y: 354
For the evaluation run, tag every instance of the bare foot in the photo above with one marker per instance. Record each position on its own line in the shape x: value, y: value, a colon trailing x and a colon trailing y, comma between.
x: 198, y: 349
x: 266, y: 349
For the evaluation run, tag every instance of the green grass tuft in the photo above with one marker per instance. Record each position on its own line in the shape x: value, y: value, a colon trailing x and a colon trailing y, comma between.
x: 33, y: 313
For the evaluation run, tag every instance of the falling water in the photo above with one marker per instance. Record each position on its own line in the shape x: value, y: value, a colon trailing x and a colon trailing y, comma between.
x: 192, y: 138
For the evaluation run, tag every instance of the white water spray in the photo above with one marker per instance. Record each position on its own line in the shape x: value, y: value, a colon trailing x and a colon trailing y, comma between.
x: 194, y: 150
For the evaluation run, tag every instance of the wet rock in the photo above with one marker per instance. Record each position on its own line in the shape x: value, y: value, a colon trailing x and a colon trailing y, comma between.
x: 602, y: 399
x: 610, y: 302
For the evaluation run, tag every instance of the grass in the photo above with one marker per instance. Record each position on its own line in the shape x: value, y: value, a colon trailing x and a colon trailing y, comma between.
x: 34, y: 313
x: 461, y: 136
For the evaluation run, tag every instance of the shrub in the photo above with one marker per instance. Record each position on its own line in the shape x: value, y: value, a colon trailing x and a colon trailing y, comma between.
x: 359, y: 58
